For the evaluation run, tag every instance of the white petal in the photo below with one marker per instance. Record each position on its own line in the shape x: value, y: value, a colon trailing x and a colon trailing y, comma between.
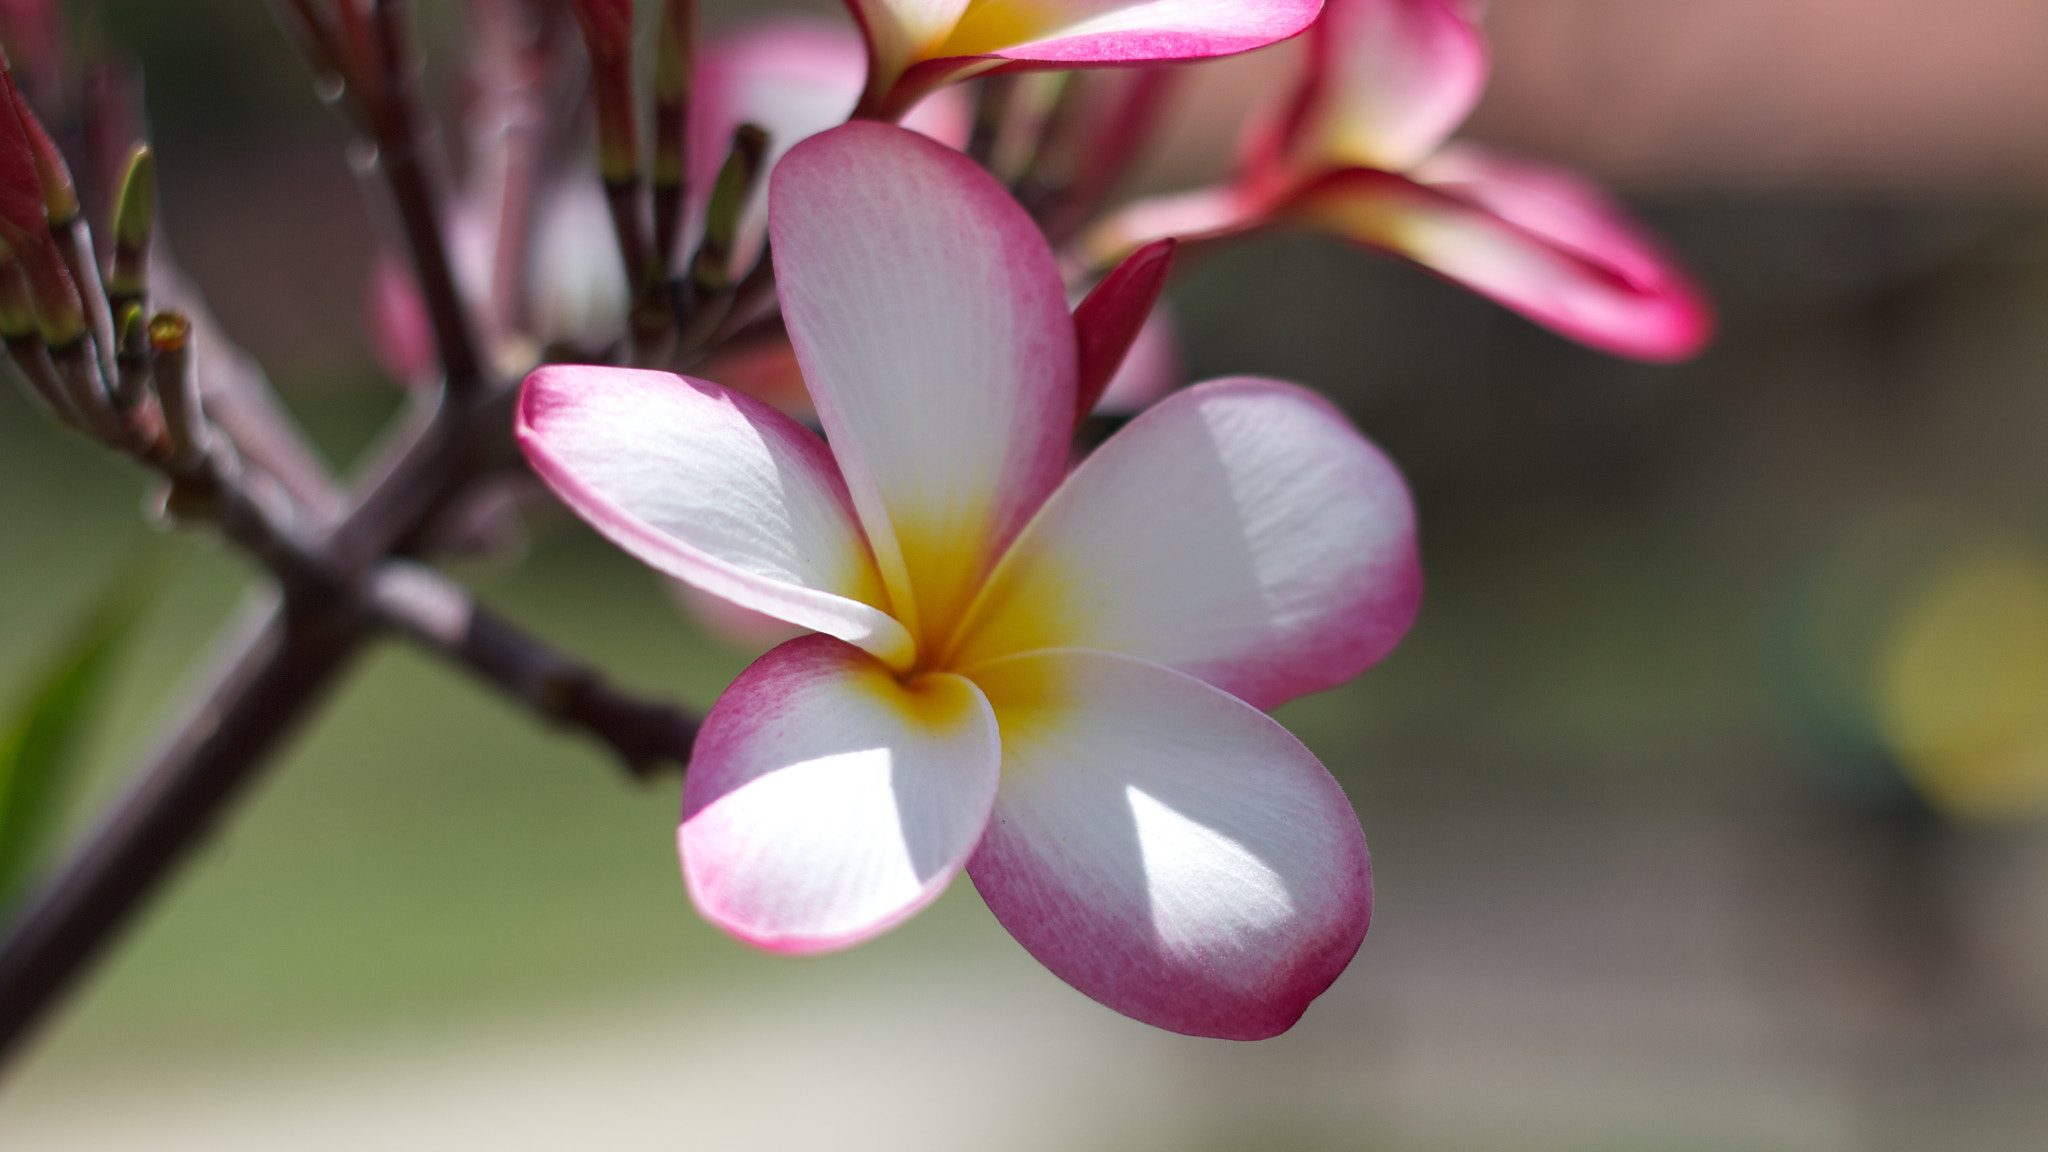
x: 826, y: 802
x: 933, y: 332
x: 1240, y: 531
x: 1167, y: 849
x: 711, y: 487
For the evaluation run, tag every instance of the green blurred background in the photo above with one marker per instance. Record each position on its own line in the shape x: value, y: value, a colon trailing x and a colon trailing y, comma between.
x: 1651, y: 871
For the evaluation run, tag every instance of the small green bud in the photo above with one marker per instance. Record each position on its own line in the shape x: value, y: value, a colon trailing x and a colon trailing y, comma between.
x: 134, y: 222
x: 135, y: 216
x: 712, y: 268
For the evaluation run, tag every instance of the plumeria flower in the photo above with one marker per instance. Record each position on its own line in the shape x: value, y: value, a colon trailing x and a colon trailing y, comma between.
x: 915, y: 46
x: 768, y: 371
x: 1053, y: 680
x: 1361, y: 152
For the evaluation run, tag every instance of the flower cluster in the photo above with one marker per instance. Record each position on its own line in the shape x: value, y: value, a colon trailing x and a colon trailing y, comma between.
x: 1053, y: 678
x: 1045, y: 666
x: 1360, y: 152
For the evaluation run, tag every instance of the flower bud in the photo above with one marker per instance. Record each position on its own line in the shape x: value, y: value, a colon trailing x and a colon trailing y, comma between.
x: 53, y: 176
x: 712, y: 268
x: 134, y: 224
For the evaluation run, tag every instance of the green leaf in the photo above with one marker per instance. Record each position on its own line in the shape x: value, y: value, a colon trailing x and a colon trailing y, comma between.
x: 45, y: 732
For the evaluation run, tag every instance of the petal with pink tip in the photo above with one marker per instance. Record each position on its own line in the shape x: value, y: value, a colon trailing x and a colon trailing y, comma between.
x: 794, y: 78
x: 1562, y: 207
x: 933, y: 332
x: 1551, y: 249
x: 1072, y: 32
x: 711, y: 487
x: 1240, y: 531
x: 826, y: 801
x: 1108, y: 321
x: 1389, y: 81
x: 1168, y: 849
x: 1203, y: 214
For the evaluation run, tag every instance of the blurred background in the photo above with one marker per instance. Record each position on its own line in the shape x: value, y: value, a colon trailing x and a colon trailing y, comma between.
x: 1706, y: 798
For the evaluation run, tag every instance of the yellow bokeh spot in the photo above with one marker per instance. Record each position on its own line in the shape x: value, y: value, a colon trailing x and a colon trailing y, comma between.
x: 1963, y: 685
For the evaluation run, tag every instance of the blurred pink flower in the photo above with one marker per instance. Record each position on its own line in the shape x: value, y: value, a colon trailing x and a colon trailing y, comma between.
x: 32, y: 32
x: 794, y: 78
x: 576, y: 284
x: 915, y: 46
x: 1052, y: 680
x: 1360, y: 152
x: 401, y: 336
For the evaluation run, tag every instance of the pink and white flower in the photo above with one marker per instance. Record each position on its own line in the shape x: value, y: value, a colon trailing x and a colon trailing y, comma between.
x: 1051, y: 679
x: 915, y: 46
x: 1360, y: 152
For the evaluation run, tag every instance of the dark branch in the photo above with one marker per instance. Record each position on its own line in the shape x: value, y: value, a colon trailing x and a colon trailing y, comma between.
x: 401, y: 148
x: 435, y: 612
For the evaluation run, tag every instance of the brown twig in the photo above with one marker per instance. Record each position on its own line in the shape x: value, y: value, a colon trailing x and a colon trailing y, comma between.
x: 1072, y: 180
x: 675, y: 59
x: 438, y: 614
x: 401, y: 148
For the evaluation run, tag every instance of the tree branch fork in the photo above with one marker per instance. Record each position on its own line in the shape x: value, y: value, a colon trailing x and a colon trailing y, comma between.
x: 347, y: 570
x: 350, y: 568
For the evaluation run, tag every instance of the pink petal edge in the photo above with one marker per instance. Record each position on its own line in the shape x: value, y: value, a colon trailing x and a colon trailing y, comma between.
x: 1388, y: 82
x: 1107, y: 322
x: 1166, y: 30
x: 1151, y: 369
x: 1167, y: 849
x: 1240, y: 531
x: 1608, y: 286
x: 931, y: 323
x: 795, y: 837
x: 552, y: 399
